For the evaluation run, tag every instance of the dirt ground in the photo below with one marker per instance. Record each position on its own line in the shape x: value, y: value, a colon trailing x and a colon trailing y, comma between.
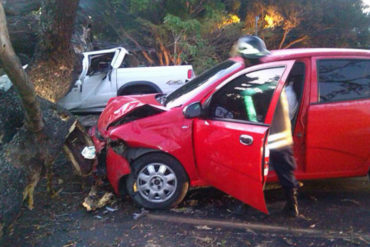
x: 334, y: 213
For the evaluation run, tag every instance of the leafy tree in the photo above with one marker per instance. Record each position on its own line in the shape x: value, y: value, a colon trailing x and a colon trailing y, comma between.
x: 340, y: 23
x: 308, y: 23
x: 201, y: 32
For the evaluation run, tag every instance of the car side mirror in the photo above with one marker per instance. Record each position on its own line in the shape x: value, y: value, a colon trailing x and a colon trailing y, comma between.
x: 193, y: 110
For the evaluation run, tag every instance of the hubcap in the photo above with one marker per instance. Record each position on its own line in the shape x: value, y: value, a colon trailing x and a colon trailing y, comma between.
x: 156, y: 182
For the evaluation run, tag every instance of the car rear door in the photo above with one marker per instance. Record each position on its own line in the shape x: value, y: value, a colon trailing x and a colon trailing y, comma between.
x: 338, y: 136
x: 230, y: 141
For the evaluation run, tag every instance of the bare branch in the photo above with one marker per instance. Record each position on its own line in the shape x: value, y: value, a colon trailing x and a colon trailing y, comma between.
x: 284, y: 38
x: 19, y: 78
x: 145, y: 54
x: 303, y: 38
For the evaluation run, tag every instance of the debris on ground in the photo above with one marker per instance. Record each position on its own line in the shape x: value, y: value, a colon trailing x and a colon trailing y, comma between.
x: 288, y: 241
x: 93, y: 201
x: 205, y: 240
x: 182, y: 210
x: 312, y: 226
x: 111, y: 209
x: 98, y: 217
x: 204, y: 227
x: 142, y: 213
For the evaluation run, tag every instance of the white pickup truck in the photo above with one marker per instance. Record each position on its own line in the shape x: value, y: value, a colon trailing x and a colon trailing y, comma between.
x: 106, y: 74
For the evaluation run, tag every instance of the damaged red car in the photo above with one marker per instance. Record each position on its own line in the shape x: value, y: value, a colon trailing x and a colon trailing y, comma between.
x: 213, y: 131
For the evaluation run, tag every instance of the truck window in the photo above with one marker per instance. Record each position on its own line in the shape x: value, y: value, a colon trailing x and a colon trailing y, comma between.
x: 343, y: 79
x: 100, y: 63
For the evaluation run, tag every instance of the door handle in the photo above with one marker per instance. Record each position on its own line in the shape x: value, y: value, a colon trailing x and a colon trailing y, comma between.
x: 246, y: 140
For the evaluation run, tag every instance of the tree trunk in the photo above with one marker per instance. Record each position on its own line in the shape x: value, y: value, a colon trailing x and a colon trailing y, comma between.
x: 18, y: 76
x: 28, y: 149
x: 55, y: 65
x: 23, y: 157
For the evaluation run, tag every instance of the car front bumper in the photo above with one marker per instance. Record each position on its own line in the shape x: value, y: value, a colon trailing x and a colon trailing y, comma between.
x: 111, y: 164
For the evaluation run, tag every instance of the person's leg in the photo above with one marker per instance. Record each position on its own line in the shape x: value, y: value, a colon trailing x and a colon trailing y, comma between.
x: 284, y: 165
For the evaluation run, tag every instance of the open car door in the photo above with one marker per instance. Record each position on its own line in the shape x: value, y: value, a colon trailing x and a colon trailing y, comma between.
x: 230, y: 141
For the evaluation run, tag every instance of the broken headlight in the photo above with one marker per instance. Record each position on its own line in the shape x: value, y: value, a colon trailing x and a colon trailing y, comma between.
x: 98, y: 135
x: 118, y: 146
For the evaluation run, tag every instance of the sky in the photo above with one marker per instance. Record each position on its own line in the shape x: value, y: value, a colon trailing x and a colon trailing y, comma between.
x: 367, y: 2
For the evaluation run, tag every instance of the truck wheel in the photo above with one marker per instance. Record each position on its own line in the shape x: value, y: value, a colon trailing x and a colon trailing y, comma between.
x: 139, y: 89
x: 157, y: 181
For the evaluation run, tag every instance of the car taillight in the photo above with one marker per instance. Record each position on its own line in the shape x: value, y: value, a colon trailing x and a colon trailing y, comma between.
x: 190, y: 73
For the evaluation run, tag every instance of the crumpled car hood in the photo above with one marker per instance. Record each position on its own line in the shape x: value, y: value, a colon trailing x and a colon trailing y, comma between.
x: 120, y: 106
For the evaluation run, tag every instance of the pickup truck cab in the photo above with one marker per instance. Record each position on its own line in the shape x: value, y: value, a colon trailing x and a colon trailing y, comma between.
x: 213, y: 131
x: 107, y: 73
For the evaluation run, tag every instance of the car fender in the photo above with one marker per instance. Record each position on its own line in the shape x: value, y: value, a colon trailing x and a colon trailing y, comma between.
x: 117, y: 168
x: 138, y: 83
x: 134, y: 153
x: 171, y: 134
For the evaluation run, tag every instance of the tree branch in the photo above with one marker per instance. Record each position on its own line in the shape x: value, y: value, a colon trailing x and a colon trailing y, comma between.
x: 145, y: 54
x: 19, y: 78
x: 284, y: 38
x: 303, y: 38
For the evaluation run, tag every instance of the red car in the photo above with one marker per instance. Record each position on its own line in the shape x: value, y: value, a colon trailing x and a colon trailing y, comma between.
x: 213, y: 130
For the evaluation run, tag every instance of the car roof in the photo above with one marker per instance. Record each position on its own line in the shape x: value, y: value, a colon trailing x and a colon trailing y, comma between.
x: 287, y: 54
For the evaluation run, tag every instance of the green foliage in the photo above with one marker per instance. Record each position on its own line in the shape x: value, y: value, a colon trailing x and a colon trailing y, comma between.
x: 178, y: 26
x: 139, y: 5
x: 199, y: 32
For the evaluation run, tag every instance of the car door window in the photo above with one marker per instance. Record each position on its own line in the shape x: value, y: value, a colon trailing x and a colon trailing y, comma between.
x: 247, y: 97
x: 343, y: 79
x: 294, y: 90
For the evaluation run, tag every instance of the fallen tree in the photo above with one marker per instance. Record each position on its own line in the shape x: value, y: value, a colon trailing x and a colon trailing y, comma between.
x: 55, y: 65
x: 33, y: 131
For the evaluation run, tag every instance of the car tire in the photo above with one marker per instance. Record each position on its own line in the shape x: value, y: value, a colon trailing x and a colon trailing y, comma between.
x: 157, y: 181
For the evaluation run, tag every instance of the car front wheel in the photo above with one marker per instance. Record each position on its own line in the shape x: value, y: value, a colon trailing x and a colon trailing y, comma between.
x: 157, y: 181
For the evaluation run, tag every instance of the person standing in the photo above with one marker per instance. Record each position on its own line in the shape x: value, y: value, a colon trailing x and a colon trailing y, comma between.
x: 280, y: 143
x: 280, y: 140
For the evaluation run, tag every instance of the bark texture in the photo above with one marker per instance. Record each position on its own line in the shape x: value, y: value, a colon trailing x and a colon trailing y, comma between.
x: 24, y: 156
x: 23, y: 17
x: 31, y: 136
x: 18, y: 76
x: 55, y: 65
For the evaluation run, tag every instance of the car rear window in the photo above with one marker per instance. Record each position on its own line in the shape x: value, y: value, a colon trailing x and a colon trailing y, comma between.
x: 343, y: 79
